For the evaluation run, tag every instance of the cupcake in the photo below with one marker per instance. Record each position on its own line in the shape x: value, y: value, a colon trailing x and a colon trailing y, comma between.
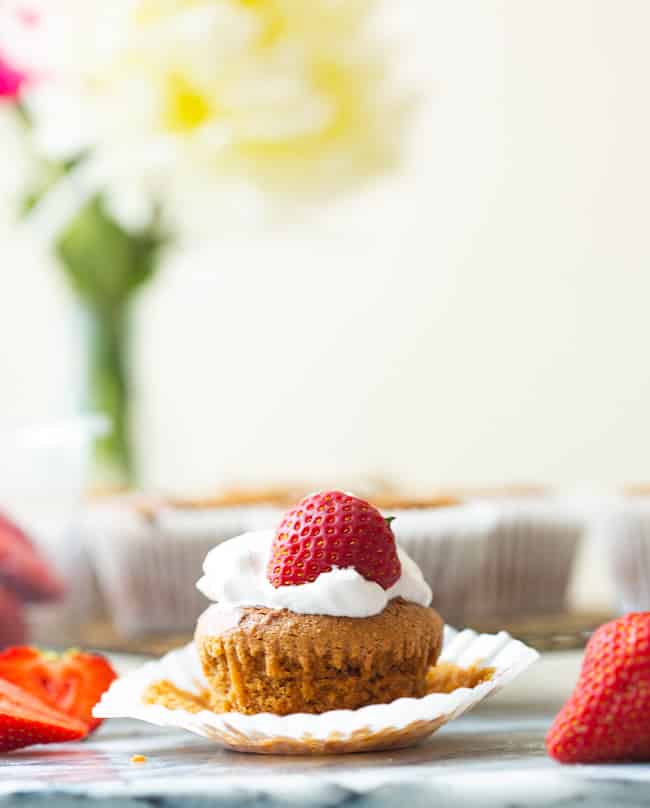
x: 324, y: 613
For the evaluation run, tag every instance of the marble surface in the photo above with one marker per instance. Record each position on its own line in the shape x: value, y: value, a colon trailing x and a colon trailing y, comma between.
x: 494, y: 756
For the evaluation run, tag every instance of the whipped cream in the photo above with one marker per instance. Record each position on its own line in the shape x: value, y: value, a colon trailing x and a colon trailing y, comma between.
x: 235, y: 574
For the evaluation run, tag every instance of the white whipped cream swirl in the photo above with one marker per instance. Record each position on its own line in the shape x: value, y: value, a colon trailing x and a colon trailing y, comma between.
x: 235, y: 574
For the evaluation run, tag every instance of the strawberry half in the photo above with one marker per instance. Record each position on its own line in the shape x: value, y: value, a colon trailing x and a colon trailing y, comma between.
x: 333, y: 529
x: 24, y: 721
x: 607, y: 718
x: 71, y: 683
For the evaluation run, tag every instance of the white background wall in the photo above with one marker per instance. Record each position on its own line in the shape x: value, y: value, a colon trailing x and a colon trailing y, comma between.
x: 481, y: 317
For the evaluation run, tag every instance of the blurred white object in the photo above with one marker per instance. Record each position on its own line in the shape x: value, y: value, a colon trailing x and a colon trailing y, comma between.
x: 43, y: 479
x: 624, y: 536
x: 592, y: 588
x: 48, y: 462
x: 482, y: 559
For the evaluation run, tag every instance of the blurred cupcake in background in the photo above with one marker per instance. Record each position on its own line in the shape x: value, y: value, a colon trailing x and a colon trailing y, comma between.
x: 148, y: 551
x: 501, y: 557
x: 148, y: 555
x: 493, y: 558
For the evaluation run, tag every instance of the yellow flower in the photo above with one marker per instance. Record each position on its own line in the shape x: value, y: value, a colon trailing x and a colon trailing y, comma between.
x: 287, y: 95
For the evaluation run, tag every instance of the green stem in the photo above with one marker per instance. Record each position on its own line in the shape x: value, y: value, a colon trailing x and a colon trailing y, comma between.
x: 108, y: 389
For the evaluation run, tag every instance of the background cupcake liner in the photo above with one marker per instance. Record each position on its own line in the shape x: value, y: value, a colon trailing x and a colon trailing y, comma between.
x: 380, y: 726
x: 493, y: 559
x: 148, y: 564
x: 481, y: 559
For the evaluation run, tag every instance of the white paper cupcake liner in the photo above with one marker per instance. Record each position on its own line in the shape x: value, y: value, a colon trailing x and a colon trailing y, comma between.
x: 381, y: 726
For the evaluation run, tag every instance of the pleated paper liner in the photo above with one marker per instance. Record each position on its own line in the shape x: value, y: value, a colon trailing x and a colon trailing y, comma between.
x: 503, y: 559
x: 147, y: 562
x: 377, y: 727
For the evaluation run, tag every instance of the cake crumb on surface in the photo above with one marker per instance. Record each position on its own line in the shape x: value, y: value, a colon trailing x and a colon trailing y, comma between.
x: 139, y: 759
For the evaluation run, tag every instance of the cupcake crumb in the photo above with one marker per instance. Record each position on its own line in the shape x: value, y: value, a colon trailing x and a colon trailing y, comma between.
x: 173, y: 698
x: 139, y: 759
x: 445, y: 677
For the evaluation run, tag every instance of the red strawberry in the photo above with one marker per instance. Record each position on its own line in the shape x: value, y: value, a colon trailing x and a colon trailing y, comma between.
x: 72, y: 683
x: 11, y: 529
x: 13, y: 627
x: 608, y: 716
x: 25, y: 720
x: 333, y: 529
x: 22, y: 569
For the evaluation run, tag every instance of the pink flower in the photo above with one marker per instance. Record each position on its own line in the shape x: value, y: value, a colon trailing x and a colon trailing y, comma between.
x: 11, y: 81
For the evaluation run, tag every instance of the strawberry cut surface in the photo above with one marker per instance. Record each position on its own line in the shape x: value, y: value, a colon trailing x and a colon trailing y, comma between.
x: 330, y: 530
x: 607, y: 718
x: 71, y: 683
x: 25, y: 720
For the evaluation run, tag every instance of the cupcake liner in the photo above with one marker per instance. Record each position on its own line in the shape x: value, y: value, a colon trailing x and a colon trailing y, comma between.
x: 450, y: 547
x: 531, y: 551
x: 376, y: 727
x: 147, y: 564
x: 493, y: 559
x: 481, y: 559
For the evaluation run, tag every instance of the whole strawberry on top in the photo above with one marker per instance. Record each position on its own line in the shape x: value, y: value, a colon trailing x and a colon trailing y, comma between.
x: 330, y: 530
x: 608, y: 716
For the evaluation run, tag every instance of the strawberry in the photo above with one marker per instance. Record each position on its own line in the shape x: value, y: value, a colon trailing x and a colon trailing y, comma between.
x: 11, y: 529
x: 332, y: 529
x: 21, y: 567
x: 24, y: 720
x: 13, y: 626
x: 71, y: 683
x: 608, y: 716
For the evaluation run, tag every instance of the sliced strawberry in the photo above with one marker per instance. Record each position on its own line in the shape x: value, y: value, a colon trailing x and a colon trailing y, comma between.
x: 24, y: 721
x: 21, y: 567
x: 13, y: 626
x: 72, y: 683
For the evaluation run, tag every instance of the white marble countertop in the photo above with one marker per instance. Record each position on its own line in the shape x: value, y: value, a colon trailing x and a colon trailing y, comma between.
x: 494, y: 756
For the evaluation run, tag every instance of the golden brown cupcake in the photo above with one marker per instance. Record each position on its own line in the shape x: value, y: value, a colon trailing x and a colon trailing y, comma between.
x: 323, y: 614
x: 278, y: 661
